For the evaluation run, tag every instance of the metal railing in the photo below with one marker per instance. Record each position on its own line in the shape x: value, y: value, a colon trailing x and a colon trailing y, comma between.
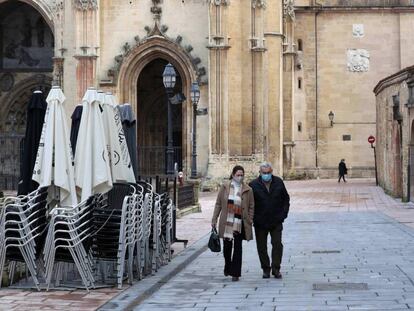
x: 152, y: 160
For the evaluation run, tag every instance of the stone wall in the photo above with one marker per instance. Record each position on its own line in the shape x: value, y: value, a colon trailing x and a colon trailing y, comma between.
x: 350, y: 51
x: 394, y: 133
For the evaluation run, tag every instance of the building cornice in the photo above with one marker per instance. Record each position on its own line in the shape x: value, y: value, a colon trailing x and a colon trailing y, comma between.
x: 395, y: 78
x: 353, y: 9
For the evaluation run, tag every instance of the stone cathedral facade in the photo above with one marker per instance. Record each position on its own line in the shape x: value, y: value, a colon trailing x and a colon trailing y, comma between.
x: 270, y: 72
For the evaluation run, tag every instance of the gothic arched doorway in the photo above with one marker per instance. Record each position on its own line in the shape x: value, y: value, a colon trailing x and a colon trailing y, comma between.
x: 152, y: 113
x: 143, y: 64
x: 26, y: 65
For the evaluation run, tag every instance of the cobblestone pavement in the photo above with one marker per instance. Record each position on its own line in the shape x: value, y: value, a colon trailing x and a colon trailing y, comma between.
x: 375, y: 258
x: 342, y: 252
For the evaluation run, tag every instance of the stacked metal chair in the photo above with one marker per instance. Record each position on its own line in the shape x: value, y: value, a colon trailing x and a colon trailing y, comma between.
x: 166, y: 230
x: 69, y: 240
x: 22, y: 226
x: 125, y: 233
x: 112, y: 224
x: 147, y: 219
x: 128, y: 235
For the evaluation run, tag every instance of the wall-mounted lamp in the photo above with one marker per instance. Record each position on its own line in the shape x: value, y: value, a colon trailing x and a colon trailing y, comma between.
x: 331, y: 116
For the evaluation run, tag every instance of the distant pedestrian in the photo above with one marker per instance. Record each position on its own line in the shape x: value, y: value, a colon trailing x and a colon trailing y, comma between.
x: 342, y: 170
x: 235, y: 206
x: 272, y: 203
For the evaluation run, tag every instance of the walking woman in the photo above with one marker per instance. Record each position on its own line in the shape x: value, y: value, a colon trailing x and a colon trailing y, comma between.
x: 235, y: 206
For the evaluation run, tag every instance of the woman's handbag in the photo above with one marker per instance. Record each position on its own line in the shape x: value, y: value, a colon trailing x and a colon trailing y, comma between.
x: 214, y: 242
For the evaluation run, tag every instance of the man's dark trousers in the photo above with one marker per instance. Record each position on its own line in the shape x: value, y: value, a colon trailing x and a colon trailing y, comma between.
x: 277, y: 247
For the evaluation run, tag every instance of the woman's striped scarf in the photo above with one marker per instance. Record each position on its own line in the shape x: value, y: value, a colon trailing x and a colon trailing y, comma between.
x: 234, y: 212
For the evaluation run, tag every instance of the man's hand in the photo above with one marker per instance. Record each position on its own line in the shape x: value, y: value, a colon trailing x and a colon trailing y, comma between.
x: 213, y: 226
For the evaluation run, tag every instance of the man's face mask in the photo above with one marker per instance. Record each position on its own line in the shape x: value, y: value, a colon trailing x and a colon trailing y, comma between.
x: 266, y: 177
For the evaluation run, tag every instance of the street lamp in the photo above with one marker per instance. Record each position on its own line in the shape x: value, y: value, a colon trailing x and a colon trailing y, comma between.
x: 195, y: 97
x: 331, y: 116
x: 169, y: 78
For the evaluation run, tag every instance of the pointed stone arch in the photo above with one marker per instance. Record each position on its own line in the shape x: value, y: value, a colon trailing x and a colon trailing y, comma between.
x: 153, y: 48
x: 16, y: 100
x: 42, y: 7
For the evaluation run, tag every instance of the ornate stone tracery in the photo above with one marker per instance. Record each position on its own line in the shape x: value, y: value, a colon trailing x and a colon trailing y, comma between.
x: 86, y: 4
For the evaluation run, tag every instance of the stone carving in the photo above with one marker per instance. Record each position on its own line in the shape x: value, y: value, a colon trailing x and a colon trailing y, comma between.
x: 86, y: 4
x: 156, y: 10
x: 220, y: 2
x: 6, y: 82
x: 259, y: 4
x: 358, y: 30
x: 57, y: 5
x: 289, y: 9
x: 358, y: 60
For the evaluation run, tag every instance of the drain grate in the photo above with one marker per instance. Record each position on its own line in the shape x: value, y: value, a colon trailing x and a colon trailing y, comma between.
x: 340, y: 286
x: 326, y: 252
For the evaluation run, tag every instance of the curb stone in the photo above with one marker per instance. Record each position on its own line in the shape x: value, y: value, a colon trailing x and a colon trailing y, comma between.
x: 134, y: 295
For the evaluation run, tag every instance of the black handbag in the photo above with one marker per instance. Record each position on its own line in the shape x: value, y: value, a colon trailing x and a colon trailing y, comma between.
x: 214, y: 241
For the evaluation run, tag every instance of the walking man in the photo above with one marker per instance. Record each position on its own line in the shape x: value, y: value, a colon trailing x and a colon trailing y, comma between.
x: 342, y: 170
x: 271, y: 209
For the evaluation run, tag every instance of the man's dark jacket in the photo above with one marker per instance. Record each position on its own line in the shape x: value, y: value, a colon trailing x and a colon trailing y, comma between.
x: 270, y: 207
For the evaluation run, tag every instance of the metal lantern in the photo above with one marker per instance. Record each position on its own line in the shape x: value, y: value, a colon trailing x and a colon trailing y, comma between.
x: 195, y: 93
x: 331, y: 116
x: 169, y: 76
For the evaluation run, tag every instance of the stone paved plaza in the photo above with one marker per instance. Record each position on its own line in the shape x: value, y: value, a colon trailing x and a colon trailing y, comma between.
x: 342, y: 252
x: 347, y: 247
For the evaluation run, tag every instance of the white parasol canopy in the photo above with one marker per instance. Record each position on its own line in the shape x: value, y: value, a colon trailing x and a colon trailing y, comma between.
x: 121, y: 166
x: 92, y: 165
x: 54, y: 161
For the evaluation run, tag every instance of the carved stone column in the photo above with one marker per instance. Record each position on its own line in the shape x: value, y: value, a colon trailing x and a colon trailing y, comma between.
x: 218, y: 46
x: 257, y: 48
x: 87, y: 44
x: 289, y: 57
x: 273, y: 109
x: 58, y: 10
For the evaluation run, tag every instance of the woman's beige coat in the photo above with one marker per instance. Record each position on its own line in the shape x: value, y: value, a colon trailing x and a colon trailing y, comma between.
x: 247, y: 209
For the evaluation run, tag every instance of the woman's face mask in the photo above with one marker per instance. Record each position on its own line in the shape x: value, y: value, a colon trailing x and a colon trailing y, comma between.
x: 238, y: 179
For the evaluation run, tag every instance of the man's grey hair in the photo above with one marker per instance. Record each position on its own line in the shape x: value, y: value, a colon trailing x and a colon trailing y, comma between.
x: 266, y: 165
